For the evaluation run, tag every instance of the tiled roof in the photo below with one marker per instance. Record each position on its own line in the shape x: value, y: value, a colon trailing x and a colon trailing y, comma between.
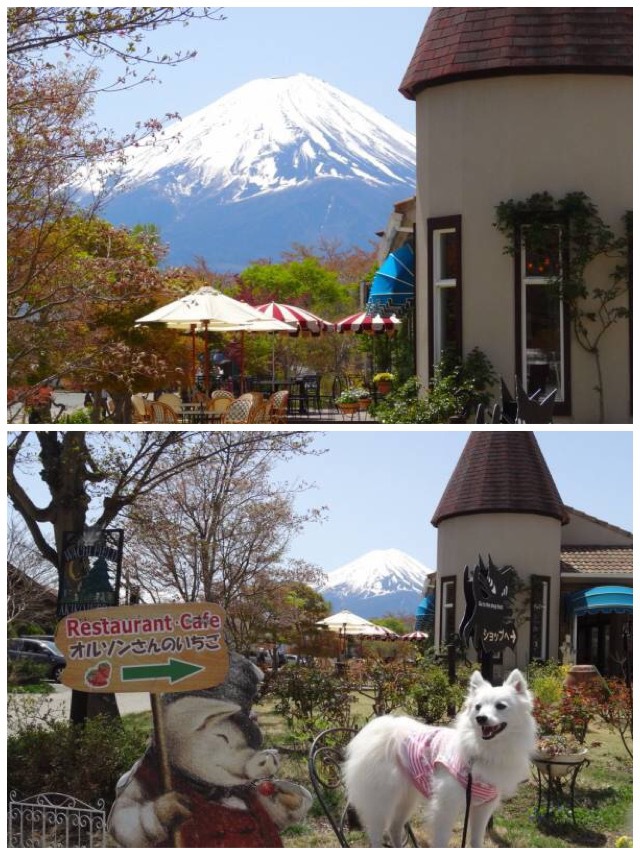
x: 501, y: 472
x: 596, y: 560
x: 463, y: 42
x: 581, y: 514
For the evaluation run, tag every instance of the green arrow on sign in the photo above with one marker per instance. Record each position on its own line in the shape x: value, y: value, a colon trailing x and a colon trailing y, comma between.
x: 174, y: 670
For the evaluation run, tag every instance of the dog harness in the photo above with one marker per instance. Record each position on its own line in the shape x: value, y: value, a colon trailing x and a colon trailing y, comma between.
x: 439, y: 746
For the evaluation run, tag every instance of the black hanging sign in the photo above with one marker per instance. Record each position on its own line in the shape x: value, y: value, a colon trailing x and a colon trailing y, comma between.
x: 489, y: 592
x: 91, y: 564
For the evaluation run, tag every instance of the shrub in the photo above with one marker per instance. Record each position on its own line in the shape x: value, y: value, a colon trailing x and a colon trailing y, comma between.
x: 431, y: 696
x: 387, y: 683
x: 309, y: 700
x: 454, y: 393
x: 83, y: 761
x: 22, y: 671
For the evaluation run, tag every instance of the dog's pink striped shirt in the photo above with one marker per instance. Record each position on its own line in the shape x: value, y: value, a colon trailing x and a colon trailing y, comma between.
x: 439, y: 746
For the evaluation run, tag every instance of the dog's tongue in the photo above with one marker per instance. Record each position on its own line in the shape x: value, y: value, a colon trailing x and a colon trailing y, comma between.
x: 490, y: 731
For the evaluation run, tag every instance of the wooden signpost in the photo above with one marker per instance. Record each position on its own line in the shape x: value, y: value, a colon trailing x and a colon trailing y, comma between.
x: 152, y: 648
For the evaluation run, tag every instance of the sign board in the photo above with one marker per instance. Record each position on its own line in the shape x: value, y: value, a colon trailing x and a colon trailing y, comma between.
x: 90, y: 569
x: 153, y: 648
x: 489, y: 593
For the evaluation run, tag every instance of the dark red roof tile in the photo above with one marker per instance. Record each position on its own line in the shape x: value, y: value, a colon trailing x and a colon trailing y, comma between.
x: 501, y: 472
x: 473, y: 42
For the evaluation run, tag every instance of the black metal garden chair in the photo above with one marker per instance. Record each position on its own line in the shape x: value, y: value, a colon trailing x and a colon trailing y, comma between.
x: 326, y: 756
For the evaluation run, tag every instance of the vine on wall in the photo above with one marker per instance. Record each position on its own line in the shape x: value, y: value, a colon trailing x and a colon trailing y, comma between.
x: 593, y: 308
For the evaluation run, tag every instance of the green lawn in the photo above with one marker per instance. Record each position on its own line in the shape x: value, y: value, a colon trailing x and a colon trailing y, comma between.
x: 603, y: 798
x: 603, y: 802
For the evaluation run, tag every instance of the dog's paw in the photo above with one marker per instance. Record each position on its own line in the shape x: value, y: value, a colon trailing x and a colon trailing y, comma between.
x: 172, y: 809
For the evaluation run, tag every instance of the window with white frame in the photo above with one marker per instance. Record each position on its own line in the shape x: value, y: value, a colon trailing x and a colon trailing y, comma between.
x: 445, y: 285
x: 539, y: 625
x: 447, y: 610
x: 542, y: 314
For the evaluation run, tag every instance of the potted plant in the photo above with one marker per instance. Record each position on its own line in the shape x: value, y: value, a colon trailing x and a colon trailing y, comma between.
x: 348, y: 402
x: 364, y: 397
x: 556, y: 755
x: 383, y: 382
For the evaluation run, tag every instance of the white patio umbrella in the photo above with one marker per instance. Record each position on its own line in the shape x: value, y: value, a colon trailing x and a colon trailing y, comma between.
x: 209, y: 310
x: 348, y: 623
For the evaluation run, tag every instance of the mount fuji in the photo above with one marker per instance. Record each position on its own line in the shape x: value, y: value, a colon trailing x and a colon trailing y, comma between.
x: 380, y: 582
x: 275, y: 162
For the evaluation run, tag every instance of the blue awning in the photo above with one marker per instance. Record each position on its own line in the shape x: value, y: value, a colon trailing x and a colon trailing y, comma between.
x: 394, y: 285
x: 601, y: 600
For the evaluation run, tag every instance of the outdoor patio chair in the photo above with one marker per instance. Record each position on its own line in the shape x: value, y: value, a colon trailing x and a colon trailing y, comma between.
x: 259, y: 409
x: 277, y: 407
x: 325, y: 759
x: 172, y: 400
x: 140, y: 409
x: 311, y: 393
x: 217, y: 406
x: 222, y: 393
x: 239, y: 411
x: 161, y: 413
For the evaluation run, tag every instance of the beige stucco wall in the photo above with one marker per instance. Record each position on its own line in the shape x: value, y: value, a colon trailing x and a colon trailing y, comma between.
x: 481, y: 142
x: 531, y: 544
x: 583, y: 531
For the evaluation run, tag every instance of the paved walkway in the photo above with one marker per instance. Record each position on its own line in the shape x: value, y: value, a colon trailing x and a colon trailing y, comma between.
x: 58, y: 704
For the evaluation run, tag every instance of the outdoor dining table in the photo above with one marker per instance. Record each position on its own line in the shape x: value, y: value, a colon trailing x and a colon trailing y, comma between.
x: 197, y: 413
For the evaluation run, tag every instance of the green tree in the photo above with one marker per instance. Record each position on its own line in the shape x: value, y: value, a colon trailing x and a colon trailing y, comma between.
x: 92, y: 478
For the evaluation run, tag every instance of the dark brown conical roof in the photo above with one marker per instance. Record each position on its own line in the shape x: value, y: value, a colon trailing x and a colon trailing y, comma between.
x: 501, y: 472
x: 465, y: 42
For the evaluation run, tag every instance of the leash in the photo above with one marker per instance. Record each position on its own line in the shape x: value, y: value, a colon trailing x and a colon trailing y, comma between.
x: 466, y: 812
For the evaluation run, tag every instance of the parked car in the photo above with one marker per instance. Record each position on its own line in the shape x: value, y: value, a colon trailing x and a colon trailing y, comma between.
x: 40, y: 652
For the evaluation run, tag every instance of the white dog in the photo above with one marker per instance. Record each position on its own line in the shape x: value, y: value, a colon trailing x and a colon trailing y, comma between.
x: 393, y: 762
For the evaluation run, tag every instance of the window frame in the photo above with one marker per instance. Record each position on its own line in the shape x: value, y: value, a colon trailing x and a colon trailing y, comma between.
x: 545, y: 583
x: 435, y: 227
x: 445, y: 605
x: 561, y: 407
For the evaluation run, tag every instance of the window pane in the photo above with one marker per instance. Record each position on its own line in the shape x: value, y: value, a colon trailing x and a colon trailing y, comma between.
x: 543, y: 340
x: 448, y: 255
x: 542, y: 252
x: 448, y: 316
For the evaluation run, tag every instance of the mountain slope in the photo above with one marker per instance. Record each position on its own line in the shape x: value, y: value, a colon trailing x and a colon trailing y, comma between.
x: 379, y: 582
x: 274, y: 162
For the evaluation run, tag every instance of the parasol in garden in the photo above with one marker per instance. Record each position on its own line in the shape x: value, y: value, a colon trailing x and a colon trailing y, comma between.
x: 300, y: 318
x: 208, y: 310
x: 348, y: 623
x: 372, y: 324
x: 415, y: 636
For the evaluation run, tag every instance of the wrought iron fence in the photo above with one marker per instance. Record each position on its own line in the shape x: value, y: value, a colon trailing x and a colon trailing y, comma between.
x: 52, y: 820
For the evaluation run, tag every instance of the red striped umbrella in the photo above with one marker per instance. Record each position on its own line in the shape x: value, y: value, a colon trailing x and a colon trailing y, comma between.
x: 415, y: 636
x: 373, y: 324
x: 305, y: 320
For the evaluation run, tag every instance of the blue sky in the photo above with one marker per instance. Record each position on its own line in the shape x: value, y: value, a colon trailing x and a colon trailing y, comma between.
x: 382, y: 486
x: 363, y: 51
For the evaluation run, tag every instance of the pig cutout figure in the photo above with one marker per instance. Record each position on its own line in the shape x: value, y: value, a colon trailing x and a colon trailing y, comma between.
x: 224, y: 793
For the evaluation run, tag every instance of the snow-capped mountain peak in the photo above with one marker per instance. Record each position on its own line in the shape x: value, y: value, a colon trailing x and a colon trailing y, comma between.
x: 379, y: 582
x: 273, y: 134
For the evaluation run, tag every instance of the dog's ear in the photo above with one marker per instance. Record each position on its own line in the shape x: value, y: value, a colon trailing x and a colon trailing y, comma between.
x: 516, y: 681
x: 476, y: 681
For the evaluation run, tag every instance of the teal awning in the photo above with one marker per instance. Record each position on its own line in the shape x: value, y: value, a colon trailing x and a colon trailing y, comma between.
x: 601, y: 600
x: 394, y: 285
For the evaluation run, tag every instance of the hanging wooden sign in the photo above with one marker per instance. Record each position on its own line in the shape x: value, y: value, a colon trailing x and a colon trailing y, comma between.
x: 151, y: 648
